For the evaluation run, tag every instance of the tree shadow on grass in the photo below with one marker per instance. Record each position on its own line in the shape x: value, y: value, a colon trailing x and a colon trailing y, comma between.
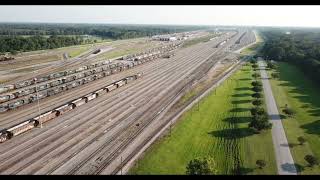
x: 244, y: 79
x: 299, y: 167
x: 242, y: 95
x: 243, y: 89
x: 238, y: 119
x: 240, y: 101
x: 232, y: 133
x: 314, y: 112
x: 242, y: 171
x: 239, y: 110
x: 312, y: 128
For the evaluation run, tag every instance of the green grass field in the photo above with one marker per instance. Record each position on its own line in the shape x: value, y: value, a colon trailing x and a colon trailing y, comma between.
x: 219, y: 129
x: 299, y: 93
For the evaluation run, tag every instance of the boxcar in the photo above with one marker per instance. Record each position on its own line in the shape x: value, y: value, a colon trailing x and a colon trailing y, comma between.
x: 120, y: 83
x: 80, y: 101
x: 99, y: 92
x: 22, y: 127
x: 46, y: 116
x: 111, y: 87
x: 65, y: 108
x: 91, y: 96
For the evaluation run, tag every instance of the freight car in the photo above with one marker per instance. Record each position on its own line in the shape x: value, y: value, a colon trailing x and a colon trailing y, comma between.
x: 47, y: 116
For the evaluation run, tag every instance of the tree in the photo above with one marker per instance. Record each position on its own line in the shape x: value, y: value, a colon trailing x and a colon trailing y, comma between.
x: 254, y: 66
x: 256, y: 75
x: 260, y: 122
x: 301, y: 140
x: 312, y: 160
x: 288, y: 111
x: 204, y: 166
x: 256, y: 83
x: 275, y: 75
x: 257, y: 111
x: 257, y: 102
x: 257, y: 88
x: 261, y: 163
x: 271, y: 65
x: 256, y: 95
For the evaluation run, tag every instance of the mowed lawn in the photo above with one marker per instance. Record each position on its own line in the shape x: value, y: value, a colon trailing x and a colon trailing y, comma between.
x: 219, y: 129
x: 303, y: 96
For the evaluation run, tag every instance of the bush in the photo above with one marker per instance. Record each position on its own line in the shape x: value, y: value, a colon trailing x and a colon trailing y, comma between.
x: 257, y: 102
x: 204, y: 166
x: 301, y: 140
x: 275, y: 75
x: 288, y: 111
x: 257, y: 88
x: 256, y: 75
x: 271, y: 65
x: 260, y: 122
x: 256, y: 83
x: 311, y: 160
x: 256, y: 95
x: 261, y: 163
x: 259, y: 125
x: 257, y: 111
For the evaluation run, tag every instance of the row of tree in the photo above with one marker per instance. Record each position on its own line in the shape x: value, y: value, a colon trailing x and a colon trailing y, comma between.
x: 13, y: 44
x: 109, y: 31
x: 300, y: 47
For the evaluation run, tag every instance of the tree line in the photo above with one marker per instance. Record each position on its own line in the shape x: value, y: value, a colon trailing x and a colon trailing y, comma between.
x: 13, y: 44
x: 103, y: 30
x: 300, y: 47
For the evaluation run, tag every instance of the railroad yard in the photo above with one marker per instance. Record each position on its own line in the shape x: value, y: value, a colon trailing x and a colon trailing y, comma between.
x: 93, y: 113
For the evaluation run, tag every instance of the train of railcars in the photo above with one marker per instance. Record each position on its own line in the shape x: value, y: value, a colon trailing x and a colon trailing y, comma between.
x: 61, y: 74
x: 86, y: 74
x: 24, y: 126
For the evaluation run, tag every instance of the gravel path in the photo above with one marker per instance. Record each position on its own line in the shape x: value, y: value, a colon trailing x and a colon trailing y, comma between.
x: 285, y: 163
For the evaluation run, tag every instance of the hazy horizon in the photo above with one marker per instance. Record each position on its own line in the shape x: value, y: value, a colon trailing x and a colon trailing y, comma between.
x: 268, y: 16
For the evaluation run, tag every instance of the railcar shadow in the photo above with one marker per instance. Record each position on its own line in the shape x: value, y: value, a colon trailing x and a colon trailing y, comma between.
x: 238, y: 119
x: 232, y: 133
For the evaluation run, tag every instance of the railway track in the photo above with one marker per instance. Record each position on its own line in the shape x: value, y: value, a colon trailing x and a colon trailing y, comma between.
x: 57, y: 147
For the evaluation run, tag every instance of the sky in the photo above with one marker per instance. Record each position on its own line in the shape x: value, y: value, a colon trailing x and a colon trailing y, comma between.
x: 299, y: 16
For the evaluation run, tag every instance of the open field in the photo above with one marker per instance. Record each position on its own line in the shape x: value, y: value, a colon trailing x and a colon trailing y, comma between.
x: 218, y: 129
x: 199, y: 40
x: 300, y: 94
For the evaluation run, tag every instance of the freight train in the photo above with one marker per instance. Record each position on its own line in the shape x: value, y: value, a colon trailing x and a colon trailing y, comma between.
x: 80, y: 76
x: 24, y: 126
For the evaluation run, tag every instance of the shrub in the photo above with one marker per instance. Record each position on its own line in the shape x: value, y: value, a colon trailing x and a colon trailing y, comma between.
x: 256, y: 95
x: 311, y: 160
x: 256, y: 75
x: 257, y: 88
x: 275, y: 75
x: 257, y: 111
x: 256, y: 83
x: 288, y: 111
x: 205, y: 166
x: 261, y: 163
x: 257, y: 102
x: 301, y: 140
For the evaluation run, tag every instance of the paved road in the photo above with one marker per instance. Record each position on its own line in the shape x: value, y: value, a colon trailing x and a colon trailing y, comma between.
x: 284, y: 159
